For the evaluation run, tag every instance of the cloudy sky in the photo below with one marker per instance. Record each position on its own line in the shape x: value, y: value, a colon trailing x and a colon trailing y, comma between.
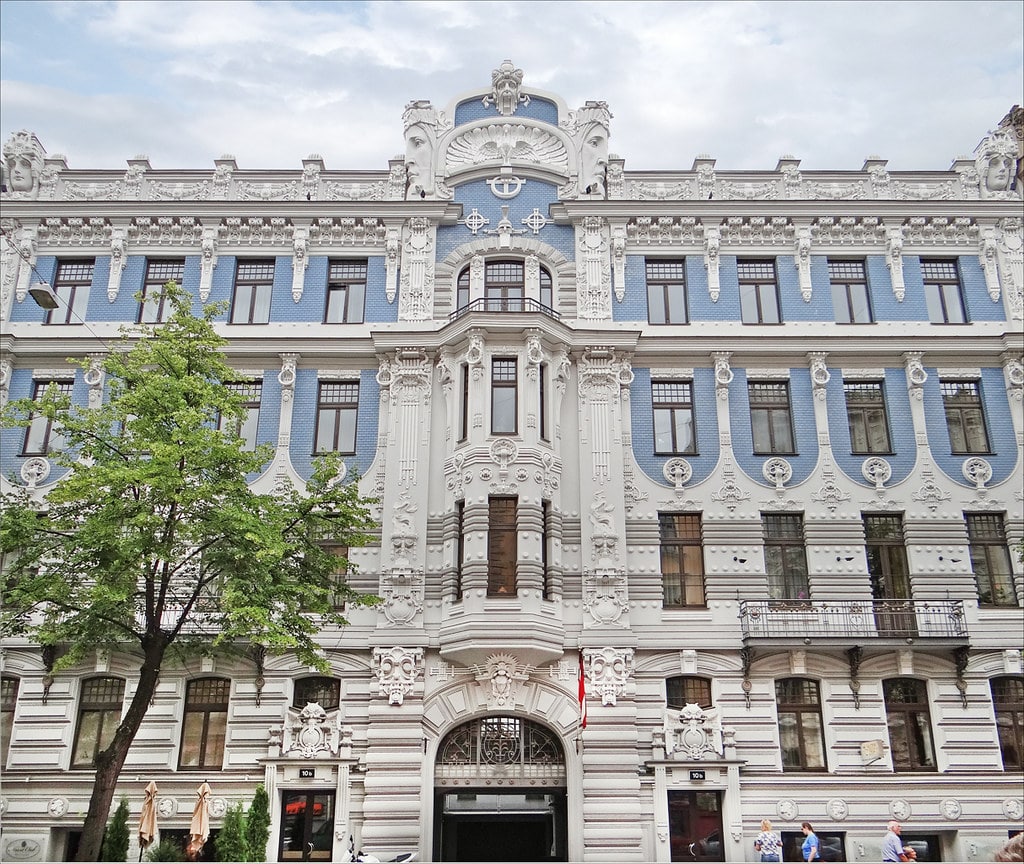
x: 917, y: 83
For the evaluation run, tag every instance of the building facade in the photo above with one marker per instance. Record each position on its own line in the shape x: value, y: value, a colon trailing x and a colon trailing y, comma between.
x: 745, y: 448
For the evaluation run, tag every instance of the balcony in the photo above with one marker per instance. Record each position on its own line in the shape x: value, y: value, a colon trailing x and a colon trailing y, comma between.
x: 845, y: 623
x: 504, y: 305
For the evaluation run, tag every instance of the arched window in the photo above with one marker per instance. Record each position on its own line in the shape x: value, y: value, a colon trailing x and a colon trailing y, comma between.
x: 99, y: 712
x: 462, y: 290
x: 8, y: 700
x: 547, y: 297
x: 505, y: 289
x: 801, y: 738
x: 206, y: 723
x: 686, y: 690
x: 1008, y: 701
x: 910, y: 725
x: 317, y: 688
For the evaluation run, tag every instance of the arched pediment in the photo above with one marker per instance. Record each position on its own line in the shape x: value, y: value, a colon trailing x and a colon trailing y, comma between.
x: 506, y: 143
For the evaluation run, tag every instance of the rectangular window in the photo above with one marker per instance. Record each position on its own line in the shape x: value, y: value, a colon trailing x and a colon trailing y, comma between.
x: 504, y: 396
x: 205, y: 726
x: 759, y: 293
x: 686, y: 690
x: 1008, y: 702
x: 464, y: 402
x: 346, y: 292
x: 849, y: 292
x: 542, y: 400
x: 254, y: 283
x: 339, y: 551
x: 666, y: 292
x: 504, y: 286
x: 153, y: 308
x: 785, y: 558
x: 336, y: 413
x: 99, y: 713
x: 965, y: 418
x: 682, y: 559
x: 910, y: 725
x: 252, y: 393
x: 545, y: 545
x: 71, y: 285
x: 942, y: 293
x: 42, y: 435
x: 801, y: 737
x: 771, y: 420
x: 866, y: 417
x: 674, y: 430
x: 502, y: 551
x: 990, y: 559
x: 460, y: 545
x: 886, y: 552
x: 8, y: 702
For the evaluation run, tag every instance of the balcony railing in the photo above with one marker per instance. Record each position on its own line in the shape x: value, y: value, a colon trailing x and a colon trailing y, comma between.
x: 503, y: 305
x: 853, y: 619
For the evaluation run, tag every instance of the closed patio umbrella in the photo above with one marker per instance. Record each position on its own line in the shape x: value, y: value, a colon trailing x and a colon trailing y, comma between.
x: 199, y: 829
x: 147, y: 818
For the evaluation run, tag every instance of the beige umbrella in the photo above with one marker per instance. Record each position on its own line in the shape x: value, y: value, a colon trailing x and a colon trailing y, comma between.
x: 199, y: 830
x: 147, y: 818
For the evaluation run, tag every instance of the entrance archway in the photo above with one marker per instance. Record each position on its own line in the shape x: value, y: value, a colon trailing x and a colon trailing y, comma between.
x: 500, y: 792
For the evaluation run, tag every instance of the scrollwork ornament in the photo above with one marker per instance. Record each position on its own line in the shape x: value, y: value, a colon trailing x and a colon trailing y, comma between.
x: 678, y: 472
x: 877, y: 471
x: 35, y: 471
x: 777, y: 471
x: 977, y: 471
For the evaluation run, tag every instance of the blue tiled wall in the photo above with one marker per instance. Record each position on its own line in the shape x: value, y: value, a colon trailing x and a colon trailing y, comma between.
x: 980, y: 307
x: 539, y: 108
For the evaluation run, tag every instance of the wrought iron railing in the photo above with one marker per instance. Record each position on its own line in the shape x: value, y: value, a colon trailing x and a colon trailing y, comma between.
x: 846, y: 619
x: 504, y: 305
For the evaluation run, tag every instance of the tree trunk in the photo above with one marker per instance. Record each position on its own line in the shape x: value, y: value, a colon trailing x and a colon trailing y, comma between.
x: 110, y: 761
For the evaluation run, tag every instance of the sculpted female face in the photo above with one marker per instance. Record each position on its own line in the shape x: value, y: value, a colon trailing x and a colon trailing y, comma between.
x: 19, y: 171
x: 594, y: 158
x: 418, y: 152
x: 1000, y: 170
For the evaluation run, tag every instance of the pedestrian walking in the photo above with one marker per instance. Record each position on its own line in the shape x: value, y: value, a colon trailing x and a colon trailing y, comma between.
x: 892, y: 846
x: 811, y: 849
x: 768, y: 843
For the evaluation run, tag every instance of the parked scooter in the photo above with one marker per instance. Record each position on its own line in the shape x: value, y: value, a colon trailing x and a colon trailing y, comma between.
x: 362, y: 857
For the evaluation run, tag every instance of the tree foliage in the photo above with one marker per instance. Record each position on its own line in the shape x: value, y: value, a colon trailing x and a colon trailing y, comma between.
x: 257, y: 825
x: 115, y: 841
x: 231, y: 843
x: 153, y: 536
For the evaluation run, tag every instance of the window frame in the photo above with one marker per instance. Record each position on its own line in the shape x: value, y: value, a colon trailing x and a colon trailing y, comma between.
x: 42, y: 436
x: 943, y: 286
x: 847, y: 277
x: 667, y: 408
x: 991, y: 544
x: 502, y: 545
x: 688, y: 686
x: 505, y: 295
x: 252, y: 394
x: 72, y: 282
x: 317, y: 684
x: 913, y: 713
x: 859, y: 411
x: 666, y: 291
x: 675, y: 544
x: 963, y: 409
x: 9, y: 687
x: 502, y: 384
x: 464, y: 402
x: 108, y: 712
x: 346, y: 278
x: 782, y: 542
x: 337, y: 409
x: 799, y: 710
x: 767, y: 407
x: 1012, y: 711
x: 159, y: 271
x: 460, y: 545
x: 260, y: 286
x: 206, y: 760
x: 462, y: 289
x: 758, y: 292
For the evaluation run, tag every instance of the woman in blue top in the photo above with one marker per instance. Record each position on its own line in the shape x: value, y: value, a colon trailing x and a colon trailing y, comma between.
x: 810, y: 847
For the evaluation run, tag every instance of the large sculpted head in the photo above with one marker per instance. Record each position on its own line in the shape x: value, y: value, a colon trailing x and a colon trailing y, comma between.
x: 593, y: 137
x: 420, y: 121
x: 23, y: 160
x: 505, y: 83
x: 996, y: 163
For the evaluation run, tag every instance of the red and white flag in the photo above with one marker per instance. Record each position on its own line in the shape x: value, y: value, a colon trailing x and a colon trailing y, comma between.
x: 583, y: 694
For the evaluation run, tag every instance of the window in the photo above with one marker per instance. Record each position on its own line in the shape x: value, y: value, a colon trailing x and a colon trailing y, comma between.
x: 251, y: 392
x: 542, y: 402
x: 682, y: 559
x: 462, y: 290
x: 886, y: 551
x: 324, y: 691
x: 942, y: 293
x: 99, y: 712
x: 545, y: 546
x: 965, y: 418
x: 346, y: 292
x: 686, y: 690
x: 464, y: 402
x: 673, y: 417
x: 42, y: 435
x: 785, y: 559
x: 460, y: 546
x: 501, y: 546
x: 990, y: 559
x: 832, y: 845
x: 546, y: 292
x: 158, y: 273
x: 849, y: 292
x: 759, y: 293
x: 770, y: 417
x: 504, y: 396
x: 206, y: 723
x: 8, y: 701
x: 337, y: 408
x: 801, y: 738
x: 910, y: 726
x: 666, y: 292
x: 340, y: 574
x: 71, y: 285
x: 865, y: 414
x: 1008, y: 701
x: 504, y: 286
x: 254, y: 283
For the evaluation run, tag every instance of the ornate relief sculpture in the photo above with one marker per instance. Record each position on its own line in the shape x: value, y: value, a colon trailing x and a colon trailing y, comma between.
x: 501, y: 677
x: 397, y: 670
x: 416, y: 302
x: 420, y: 121
x: 505, y: 94
x: 593, y: 270
x: 609, y: 670
x: 996, y: 162
x: 592, y: 143
x: 694, y: 734
x: 23, y: 163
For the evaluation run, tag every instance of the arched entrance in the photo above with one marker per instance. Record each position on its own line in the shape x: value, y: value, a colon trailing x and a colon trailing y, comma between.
x: 500, y: 792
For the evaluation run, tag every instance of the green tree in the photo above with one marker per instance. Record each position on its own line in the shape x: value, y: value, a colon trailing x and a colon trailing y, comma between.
x: 115, y: 841
x: 257, y: 825
x: 153, y: 538
x: 230, y: 844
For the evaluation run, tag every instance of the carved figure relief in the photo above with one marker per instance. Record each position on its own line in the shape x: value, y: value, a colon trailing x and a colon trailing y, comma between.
x: 505, y: 95
x: 605, y: 596
x: 420, y: 120
x: 592, y: 140
x: 609, y: 671
x: 23, y: 163
x: 695, y: 733
x: 312, y: 732
x: 402, y: 592
x: 501, y: 678
x: 397, y: 670
x: 996, y: 162
x: 416, y: 302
